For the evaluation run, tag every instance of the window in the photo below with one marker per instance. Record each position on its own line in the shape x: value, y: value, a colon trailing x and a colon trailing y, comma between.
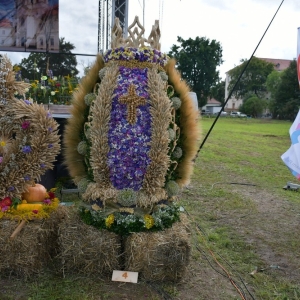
x: 52, y: 41
x: 41, y: 42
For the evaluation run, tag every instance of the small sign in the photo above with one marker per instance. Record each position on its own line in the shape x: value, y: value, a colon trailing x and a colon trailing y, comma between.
x: 125, y: 276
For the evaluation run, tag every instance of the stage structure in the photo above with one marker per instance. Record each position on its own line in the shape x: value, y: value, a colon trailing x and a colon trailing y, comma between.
x: 108, y: 11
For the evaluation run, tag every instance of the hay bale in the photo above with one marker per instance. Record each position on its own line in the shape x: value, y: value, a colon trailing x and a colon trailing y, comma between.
x: 32, y: 249
x: 86, y: 249
x: 159, y: 256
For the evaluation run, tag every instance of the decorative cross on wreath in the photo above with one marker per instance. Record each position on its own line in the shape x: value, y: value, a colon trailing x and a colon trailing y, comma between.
x: 133, y: 101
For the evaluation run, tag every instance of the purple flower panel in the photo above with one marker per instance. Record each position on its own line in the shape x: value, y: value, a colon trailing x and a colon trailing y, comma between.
x: 129, y: 143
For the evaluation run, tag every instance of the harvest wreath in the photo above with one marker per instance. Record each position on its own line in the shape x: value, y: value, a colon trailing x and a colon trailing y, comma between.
x: 29, y: 143
x: 133, y: 134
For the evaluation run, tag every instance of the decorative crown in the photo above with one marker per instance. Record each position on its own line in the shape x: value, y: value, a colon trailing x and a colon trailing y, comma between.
x: 135, y: 38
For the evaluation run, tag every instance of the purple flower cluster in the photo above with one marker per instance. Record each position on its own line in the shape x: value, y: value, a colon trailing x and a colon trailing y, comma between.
x: 26, y: 149
x: 145, y: 54
x: 129, y: 143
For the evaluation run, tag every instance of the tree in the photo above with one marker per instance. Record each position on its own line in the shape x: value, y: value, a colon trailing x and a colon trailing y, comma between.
x: 287, y: 96
x: 61, y: 64
x: 197, y: 60
x: 273, y: 82
x: 217, y: 91
x: 253, y: 106
x: 253, y: 81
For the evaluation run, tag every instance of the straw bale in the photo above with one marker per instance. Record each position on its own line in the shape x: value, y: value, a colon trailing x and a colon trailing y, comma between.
x: 32, y: 249
x: 86, y: 249
x: 159, y: 256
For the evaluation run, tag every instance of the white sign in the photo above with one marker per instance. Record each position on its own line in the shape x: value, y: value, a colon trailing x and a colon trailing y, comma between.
x: 125, y: 276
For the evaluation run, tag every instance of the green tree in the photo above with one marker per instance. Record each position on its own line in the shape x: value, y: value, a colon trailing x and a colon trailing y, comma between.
x: 273, y: 82
x: 253, y: 80
x: 61, y: 64
x: 197, y: 60
x: 287, y: 96
x: 217, y: 91
x: 253, y: 106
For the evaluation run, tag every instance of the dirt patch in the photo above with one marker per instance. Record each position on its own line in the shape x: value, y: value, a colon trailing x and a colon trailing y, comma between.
x: 271, y: 230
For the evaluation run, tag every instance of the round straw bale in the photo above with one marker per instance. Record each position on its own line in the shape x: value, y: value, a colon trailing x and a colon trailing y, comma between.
x: 159, y: 256
x: 87, y: 250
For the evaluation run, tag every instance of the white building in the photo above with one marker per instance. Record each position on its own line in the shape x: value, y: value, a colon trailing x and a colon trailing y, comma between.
x: 6, y: 33
x: 36, y: 25
x: 233, y: 103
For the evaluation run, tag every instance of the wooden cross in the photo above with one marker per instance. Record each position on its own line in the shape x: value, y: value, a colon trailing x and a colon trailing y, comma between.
x: 133, y: 101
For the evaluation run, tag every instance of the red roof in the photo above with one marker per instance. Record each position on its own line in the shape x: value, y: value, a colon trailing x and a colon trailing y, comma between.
x: 5, y: 23
x: 213, y: 101
x: 279, y: 64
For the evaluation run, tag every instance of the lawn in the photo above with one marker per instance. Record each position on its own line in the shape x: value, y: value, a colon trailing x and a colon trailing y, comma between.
x: 244, y: 226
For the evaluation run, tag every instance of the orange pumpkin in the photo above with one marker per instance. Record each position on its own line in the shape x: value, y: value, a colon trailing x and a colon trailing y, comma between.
x: 35, y: 193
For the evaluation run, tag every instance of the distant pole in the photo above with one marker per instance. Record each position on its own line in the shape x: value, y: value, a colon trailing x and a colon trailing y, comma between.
x: 144, y: 13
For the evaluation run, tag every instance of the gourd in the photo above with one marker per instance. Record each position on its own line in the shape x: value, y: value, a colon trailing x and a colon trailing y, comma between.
x: 35, y: 193
x: 29, y: 207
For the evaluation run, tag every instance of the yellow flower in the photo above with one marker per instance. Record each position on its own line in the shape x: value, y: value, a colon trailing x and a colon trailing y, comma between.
x: 2, y: 144
x: 149, y: 221
x: 109, y: 220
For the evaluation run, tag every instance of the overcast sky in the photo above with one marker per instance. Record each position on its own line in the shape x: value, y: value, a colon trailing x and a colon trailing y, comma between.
x: 237, y: 24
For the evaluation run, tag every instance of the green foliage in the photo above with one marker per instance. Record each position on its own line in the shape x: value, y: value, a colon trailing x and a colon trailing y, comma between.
x: 61, y: 64
x: 52, y: 90
x: 125, y: 223
x: 253, y: 106
x: 273, y: 82
x: 197, y: 61
x: 127, y: 197
x: 287, y: 95
x: 217, y: 91
x: 253, y: 80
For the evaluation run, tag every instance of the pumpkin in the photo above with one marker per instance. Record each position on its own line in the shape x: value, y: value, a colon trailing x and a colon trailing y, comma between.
x: 35, y: 193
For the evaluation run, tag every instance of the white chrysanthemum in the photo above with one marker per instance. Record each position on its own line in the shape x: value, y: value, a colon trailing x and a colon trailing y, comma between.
x: 127, y: 197
x: 164, y: 76
x: 176, y: 102
x: 87, y: 130
x: 89, y: 98
x: 172, y: 188
x: 82, y: 185
x: 81, y: 148
x: 102, y: 73
x: 177, y: 153
x: 172, y: 134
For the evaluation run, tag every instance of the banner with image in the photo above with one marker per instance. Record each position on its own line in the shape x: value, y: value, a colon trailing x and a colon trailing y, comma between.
x: 29, y: 25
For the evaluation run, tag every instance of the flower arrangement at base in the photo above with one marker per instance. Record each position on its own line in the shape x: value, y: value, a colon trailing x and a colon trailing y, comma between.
x: 21, y: 209
x: 124, y: 221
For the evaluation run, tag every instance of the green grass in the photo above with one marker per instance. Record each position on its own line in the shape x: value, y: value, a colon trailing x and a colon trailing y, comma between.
x: 241, y: 152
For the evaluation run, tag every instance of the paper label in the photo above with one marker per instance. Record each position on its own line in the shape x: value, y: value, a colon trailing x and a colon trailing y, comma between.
x: 125, y: 276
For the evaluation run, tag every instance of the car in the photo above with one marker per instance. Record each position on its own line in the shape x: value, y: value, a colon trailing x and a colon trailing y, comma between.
x: 238, y: 114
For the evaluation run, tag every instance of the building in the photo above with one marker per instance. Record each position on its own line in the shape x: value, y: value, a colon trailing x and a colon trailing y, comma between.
x: 36, y: 25
x: 233, y: 103
x: 212, y: 106
x: 6, y: 33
